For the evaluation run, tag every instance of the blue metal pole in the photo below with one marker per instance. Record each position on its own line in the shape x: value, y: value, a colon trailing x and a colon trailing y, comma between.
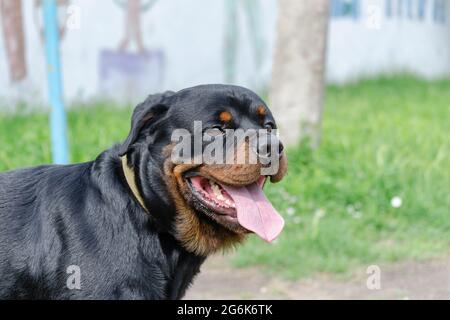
x: 57, y: 116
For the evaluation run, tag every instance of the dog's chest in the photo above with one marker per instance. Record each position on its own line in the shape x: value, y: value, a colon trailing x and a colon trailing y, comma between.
x: 184, y: 273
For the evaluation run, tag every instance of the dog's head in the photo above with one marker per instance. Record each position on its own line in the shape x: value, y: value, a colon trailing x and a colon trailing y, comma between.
x: 214, y: 204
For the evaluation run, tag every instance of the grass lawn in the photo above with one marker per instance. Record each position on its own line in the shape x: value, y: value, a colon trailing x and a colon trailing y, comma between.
x: 382, y: 139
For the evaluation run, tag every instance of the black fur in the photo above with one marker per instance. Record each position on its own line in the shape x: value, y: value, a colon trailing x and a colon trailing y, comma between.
x: 52, y: 217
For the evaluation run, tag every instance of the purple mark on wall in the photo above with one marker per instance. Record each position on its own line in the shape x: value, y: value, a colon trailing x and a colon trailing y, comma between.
x: 131, y: 75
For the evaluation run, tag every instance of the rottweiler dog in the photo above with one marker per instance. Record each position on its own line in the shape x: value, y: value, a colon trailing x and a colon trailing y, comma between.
x: 134, y: 223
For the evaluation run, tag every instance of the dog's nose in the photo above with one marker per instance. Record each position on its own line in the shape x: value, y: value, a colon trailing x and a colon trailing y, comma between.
x: 265, y: 148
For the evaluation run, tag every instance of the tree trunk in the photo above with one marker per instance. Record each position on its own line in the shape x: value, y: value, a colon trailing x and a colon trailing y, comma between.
x: 299, y: 68
x: 13, y: 33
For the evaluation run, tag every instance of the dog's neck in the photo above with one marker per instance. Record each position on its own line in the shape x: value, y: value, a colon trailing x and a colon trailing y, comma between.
x: 130, y: 177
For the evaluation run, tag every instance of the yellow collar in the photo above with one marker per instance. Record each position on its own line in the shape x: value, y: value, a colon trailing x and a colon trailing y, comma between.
x: 131, y: 181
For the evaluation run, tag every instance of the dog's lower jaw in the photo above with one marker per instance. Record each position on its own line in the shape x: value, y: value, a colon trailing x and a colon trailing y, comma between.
x: 195, y: 234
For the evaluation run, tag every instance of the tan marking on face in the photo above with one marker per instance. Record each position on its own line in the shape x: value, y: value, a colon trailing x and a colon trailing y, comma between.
x: 238, y: 172
x: 261, y: 110
x: 195, y: 234
x: 225, y: 116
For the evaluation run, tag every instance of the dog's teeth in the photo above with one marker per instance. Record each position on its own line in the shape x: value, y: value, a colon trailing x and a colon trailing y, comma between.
x: 215, y: 188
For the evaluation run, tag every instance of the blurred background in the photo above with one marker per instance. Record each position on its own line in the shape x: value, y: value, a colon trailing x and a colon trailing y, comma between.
x: 361, y: 90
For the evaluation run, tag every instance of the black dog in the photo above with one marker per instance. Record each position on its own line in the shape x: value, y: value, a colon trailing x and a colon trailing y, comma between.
x: 134, y: 224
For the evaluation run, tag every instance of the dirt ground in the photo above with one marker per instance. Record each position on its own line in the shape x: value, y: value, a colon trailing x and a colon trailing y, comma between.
x: 405, y: 280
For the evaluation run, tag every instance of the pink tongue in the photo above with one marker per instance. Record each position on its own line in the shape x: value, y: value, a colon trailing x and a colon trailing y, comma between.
x: 255, y: 212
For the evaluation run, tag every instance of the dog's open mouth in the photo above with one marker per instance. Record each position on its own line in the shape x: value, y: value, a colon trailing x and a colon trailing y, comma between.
x: 246, y: 206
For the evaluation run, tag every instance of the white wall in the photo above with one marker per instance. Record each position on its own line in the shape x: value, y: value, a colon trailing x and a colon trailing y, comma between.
x: 191, y: 36
x: 368, y: 47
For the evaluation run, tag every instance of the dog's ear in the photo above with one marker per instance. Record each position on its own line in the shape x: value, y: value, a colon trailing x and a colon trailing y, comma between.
x: 147, y: 112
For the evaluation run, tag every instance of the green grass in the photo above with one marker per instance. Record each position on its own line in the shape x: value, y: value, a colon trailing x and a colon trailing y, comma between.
x: 381, y: 138
x: 24, y: 137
